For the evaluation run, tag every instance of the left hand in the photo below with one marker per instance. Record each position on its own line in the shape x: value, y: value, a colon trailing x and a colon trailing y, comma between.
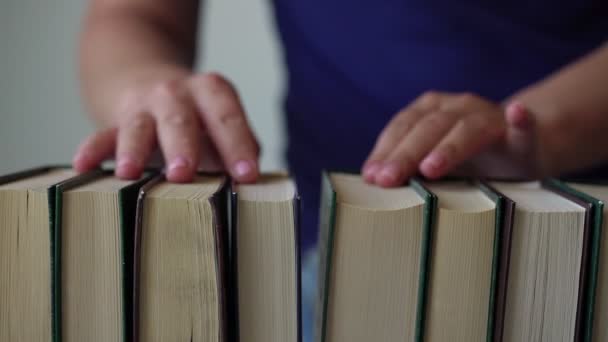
x: 438, y: 132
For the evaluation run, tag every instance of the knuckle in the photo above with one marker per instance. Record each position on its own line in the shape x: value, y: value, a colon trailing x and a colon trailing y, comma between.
x: 212, y: 82
x: 175, y: 118
x: 387, y: 139
x: 400, y: 124
x: 231, y: 119
x: 131, y: 100
x: 467, y: 97
x: 138, y: 122
x: 435, y: 121
x: 167, y: 91
x: 449, y: 150
x: 430, y: 98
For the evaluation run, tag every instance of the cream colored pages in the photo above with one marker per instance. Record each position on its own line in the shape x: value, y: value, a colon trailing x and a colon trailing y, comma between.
x: 179, y: 295
x: 91, y: 262
x: 461, y: 264
x: 25, y: 276
x: 600, y: 329
x: 546, y: 251
x: 373, y: 291
x: 267, y: 266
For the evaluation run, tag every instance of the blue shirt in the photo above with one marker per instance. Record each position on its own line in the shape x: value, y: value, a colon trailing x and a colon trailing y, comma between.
x: 352, y: 64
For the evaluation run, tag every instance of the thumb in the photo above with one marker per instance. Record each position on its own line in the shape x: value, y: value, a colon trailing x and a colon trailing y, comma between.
x: 520, y: 136
x: 518, y: 116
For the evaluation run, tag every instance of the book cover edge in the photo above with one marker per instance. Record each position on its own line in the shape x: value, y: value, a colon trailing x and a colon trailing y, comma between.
x: 594, y: 253
x: 430, y: 208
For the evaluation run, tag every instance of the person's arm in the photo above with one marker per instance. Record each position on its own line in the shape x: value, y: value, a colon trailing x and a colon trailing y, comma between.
x: 570, y: 109
x: 136, y: 59
x: 558, y: 125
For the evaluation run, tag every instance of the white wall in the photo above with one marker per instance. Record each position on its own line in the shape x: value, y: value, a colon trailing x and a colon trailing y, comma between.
x: 41, y: 120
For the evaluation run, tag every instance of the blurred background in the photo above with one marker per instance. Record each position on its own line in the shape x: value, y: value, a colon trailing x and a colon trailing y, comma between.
x: 41, y: 117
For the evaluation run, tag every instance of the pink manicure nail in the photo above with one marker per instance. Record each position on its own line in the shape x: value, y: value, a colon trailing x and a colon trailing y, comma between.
x: 370, y: 170
x: 242, y: 168
x: 388, y: 174
x: 435, y: 161
x: 179, y: 163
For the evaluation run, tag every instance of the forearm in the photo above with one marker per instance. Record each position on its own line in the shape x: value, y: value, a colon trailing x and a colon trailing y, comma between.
x: 121, y: 47
x: 570, y: 111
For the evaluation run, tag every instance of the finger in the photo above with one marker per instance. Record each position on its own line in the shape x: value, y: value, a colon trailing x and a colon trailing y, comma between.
x: 520, y: 137
x: 468, y: 136
x: 227, y: 125
x: 94, y: 150
x: 178, y: 131
x: 136, y: 141
x: 403, y: 161
x: 388, y: 140
x: 518, y: 116
x: 401, y: 124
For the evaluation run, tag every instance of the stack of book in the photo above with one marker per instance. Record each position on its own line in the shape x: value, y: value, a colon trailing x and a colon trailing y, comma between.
x: 93, y: 258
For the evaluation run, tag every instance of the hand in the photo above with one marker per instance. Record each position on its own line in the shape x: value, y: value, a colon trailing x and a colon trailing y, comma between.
x: 439, y: 132
x: 193, y: 118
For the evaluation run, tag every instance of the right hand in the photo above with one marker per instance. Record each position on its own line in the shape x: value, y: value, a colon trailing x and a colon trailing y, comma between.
x: 196, y: 119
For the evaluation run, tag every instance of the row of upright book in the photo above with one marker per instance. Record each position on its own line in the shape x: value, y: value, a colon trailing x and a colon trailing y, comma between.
x: 93, y: 258
x: 463, y: 261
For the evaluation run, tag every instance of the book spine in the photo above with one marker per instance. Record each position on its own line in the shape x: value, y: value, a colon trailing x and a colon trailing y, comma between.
x: 327, y: 225
x: 56, y: 195
x: 233, y: 298
x: 127, y: 206
x: 219, y: 203
x: 505, y: 209
x: 297, y: 211
x: 139, y: 217
x: 430, y: 207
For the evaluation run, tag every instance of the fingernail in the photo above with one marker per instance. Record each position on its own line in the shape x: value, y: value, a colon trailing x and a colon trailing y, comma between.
x: 370, y: 170
x: 388, y: 175
x: 178, y: 163
x: 516, y: 106
x: 433, y: 166
x: 435, y: 161
x: 243, y: 169
x: 126, y: 166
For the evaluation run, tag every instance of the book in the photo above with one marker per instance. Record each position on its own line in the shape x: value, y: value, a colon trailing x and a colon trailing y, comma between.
x: 265, y: 255
x: 463, y: 264
x: 374, y: 246
x: 26, y: 204
x: 181, y: 261
x: 547, y: 264
x: 595, y: 312
x: 94, y: 231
